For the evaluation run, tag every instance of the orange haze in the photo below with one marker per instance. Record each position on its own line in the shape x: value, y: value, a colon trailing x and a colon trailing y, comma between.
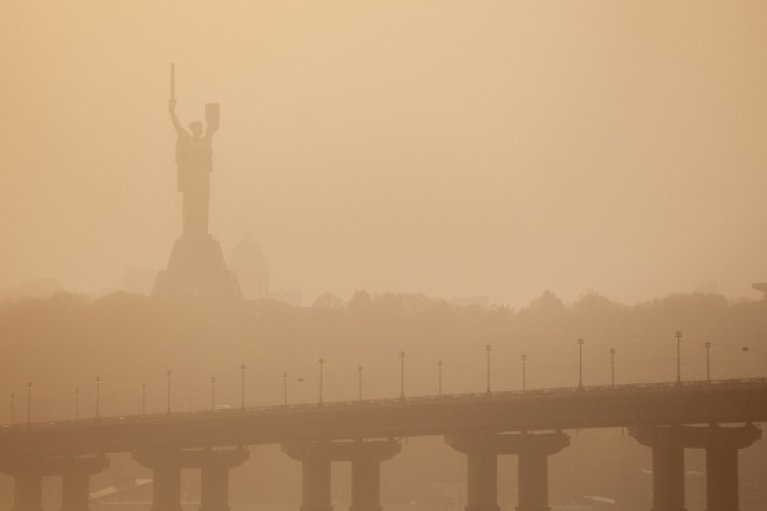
x: 455, y: 148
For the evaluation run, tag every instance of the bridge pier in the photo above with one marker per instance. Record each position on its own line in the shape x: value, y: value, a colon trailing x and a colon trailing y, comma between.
x: 315, y: 475
x: 28, y: 489
x: 166, y: 477
x: 28, y: 476
x: 365, y: 457
x: 214, y: 465
x: 532, y: 450
x: 721, y: 444
x: 76, y: 474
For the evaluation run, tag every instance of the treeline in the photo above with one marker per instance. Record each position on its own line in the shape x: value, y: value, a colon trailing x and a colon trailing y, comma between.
x: 65, y: 341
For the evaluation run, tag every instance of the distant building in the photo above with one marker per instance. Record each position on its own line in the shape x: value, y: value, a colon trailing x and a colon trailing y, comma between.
x: 249, y: 263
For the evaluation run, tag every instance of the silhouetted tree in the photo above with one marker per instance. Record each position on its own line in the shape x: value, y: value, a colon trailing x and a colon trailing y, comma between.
x: 328, y: 300
x: 548, y: 305
x: 360, y: 301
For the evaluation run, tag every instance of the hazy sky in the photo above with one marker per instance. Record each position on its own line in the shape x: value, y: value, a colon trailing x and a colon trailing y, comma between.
x: 456, y: 148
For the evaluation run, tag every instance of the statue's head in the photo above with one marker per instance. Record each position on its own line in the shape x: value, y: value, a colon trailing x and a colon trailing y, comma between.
x: 196, y: 129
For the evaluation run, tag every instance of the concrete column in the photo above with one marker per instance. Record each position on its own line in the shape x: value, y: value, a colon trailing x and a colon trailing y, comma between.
x: 365, y: 457
x: 721, y: 444
x: 533, y: 481
x: 166, y: 487
x: 722, y: 479
x: 76, y: 474
x: 215, y: 466
x: 316, y: 484
x: 481, y: 480
x: 668, y: 478
x: 481, y: 469
x: 214, y: 488
x: 28, y: 490
x: 74, y: 491
x: 28, y: 474
x: 533, y: 450
x: 722, y: 464
x: 315, y: 465
x: 366, y: 485
x: 667, y: 464
x: 166, y: 477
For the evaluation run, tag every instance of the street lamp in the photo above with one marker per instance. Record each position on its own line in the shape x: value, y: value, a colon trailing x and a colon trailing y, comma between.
x: 402, y: 374
x: 321, y: 362
x: 169, y: 373
x: 580, y: 364
x: 439, y: 377
x: 213, y: 393
x: 13, y: 407
x: 678, y: 335
x: 488, y: 350
x: 360, y: 369
x: 708, y: 361
x: 98, y: 396
x: 524, y: 372
x: 143, y: 398
x: 242, y: 387
x: 29, y: 403
x: 77, y: 403
x: 612, y: 367
x: 284, y: 387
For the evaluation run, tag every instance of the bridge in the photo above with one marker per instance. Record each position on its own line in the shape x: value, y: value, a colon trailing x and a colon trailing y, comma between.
x: 668, y: 418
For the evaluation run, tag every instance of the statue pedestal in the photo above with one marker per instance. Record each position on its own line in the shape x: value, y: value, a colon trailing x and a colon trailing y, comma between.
x: 197, y: 269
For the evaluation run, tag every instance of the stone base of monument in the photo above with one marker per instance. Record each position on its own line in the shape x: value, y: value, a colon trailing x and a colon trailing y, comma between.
x: 197, y: 269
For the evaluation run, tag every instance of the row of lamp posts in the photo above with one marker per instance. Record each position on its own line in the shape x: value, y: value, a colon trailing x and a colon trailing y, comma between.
x: 321, y: 362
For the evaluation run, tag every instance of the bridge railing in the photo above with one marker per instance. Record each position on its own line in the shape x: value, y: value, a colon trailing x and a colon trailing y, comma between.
x: 394, y: 402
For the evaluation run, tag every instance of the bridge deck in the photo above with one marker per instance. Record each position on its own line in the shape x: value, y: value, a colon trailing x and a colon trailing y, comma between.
x: 728, y: 401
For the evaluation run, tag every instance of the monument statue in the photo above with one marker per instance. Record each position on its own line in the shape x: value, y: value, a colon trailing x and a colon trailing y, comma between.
x: 196, y: 266
x: 194, y: 158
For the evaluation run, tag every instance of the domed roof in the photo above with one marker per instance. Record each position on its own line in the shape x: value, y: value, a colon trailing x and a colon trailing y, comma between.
x: 247, y: 252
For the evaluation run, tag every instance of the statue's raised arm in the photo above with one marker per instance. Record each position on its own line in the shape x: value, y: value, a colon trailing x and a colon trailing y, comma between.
x: 180, y: 131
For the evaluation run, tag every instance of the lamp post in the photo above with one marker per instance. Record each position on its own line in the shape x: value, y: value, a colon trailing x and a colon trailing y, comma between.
x: 213, y: 393
x: 488, y: 351
x: 98, y: 396
x: 321, y: 363
x: 29, y: 403
x: 77, y: 403
x: 168, y: 374
x: 13, y: 407
x: 708, y: 361
x: 678, y: 336
x: 242, y: 387
x: 580, y: 364
x: 439, y: 377
x: 360, y: 370
x: 284, y: 387
x: 402, y: 374
x: 612, y: 367
x: 143, y: 398
x: 524, y: 372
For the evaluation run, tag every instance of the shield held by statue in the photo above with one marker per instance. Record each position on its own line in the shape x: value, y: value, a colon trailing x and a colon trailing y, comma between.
x: 212, y: 116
